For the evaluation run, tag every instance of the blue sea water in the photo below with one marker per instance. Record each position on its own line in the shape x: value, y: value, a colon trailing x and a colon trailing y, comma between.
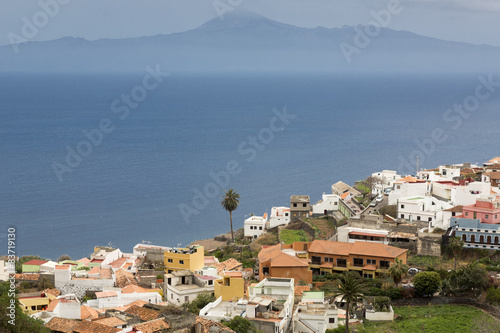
x: 129, y: 188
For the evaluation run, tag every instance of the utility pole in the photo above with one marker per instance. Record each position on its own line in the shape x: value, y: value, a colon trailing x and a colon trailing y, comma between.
x: 418, y: 159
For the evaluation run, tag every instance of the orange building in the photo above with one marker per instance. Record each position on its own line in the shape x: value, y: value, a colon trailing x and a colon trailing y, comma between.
x: 274, y: 262
x: 370, y: 259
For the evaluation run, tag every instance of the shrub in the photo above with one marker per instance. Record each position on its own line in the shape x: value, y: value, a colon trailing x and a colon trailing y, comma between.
x: 340, y: 329
x: 493, y: 295
x: 427, y: 283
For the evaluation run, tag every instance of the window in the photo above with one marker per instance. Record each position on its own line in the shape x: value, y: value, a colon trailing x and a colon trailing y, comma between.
x: 481, y: 239
x: 260, y: 228
x: 286, y: 214
x: 371, y: 261
x: 335, y: 203
x: 294, y: 205
x: 402, y: 216
x: 169, y: 281
x: 181, y: 262
x: 170, y: 271
x: 170, y: 260
x: 265, y: 270
x: 210, y: 282
x: 368, y: 276
x: 430, y: 219
x: 418, y: 218
x: 341, y: 262
x: 384, y: 264
x: 358, y: 262
x: 398, y: 187
x: 328, y: 259
x: 487, y: 216
x: 331, y: 320
x: 316, y: 260
x: 466, y: 213
x: 402, y: 206
x: 186, y: 299
x: 304, y: 205
x: 464, y: 237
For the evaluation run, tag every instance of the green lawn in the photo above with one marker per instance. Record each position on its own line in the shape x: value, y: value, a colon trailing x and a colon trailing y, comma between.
x: 290, y: 236
x: 436, y: 319
x: 423, y: 261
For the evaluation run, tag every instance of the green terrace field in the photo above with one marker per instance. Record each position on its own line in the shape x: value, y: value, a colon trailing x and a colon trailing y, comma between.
x: 290, y: 236
x: 435, y: 319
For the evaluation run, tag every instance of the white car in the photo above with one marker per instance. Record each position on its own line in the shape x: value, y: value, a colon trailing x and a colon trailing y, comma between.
x: 379, y: 198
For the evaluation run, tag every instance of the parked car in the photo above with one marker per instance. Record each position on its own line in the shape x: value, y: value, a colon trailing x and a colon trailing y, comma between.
x: 379, y: 198
x: 413, y: 271
x: 373, y: 203
x: 387, y: 191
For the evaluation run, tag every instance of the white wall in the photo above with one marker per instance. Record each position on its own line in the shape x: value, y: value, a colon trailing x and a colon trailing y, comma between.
x: 255, y: 226
x: 329, y: 202
x: 403, y: 190
x: 279, y: 216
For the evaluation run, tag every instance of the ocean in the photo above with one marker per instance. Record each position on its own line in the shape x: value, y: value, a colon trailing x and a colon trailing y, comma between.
x: 84, y: 165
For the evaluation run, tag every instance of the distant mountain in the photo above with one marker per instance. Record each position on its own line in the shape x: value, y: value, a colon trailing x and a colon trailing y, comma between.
x: 245, y: 41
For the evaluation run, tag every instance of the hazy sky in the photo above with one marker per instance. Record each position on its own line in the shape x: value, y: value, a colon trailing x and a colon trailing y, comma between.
x: 474, y: 21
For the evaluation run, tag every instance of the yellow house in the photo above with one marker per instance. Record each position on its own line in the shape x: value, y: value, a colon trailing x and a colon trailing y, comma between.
x: 191, y: 258
x: 230, y: 287
x: 34, y: 304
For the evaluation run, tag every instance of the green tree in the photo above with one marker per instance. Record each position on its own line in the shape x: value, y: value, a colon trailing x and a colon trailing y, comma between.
x: 472, y: 279
x: 427, y: 283
x: 23, y: 322
x: 398, y: 270
x: 456, y: 246
x: 64, y: 257
x: 22, y: 260
x: 199, y: 303
x: 240, y: 325
x: 230, y: 202
x: 351, y: 288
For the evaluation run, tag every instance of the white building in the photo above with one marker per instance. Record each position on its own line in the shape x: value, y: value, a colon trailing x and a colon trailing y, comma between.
x: 116, y: 297
x: 351, y: 235
x: 279, y: 216
x: 426, y: 209
x: 183, y: 286
x: 4, y: 273
x: 48, y: 267
x: 450, y: 172
x: 314, y: 314
x: 409, y: 187
x: 384, y: 179
x: 328, y: 204
x: 255, y: 226
x: 68, y: 284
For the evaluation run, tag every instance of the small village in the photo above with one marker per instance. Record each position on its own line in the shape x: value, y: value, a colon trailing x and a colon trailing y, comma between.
x: 360, y: 257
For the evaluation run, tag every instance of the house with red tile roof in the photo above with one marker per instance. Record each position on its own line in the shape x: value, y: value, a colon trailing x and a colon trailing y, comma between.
x: 369, y: 259
x: 273, y: 262
x: 33, y: 266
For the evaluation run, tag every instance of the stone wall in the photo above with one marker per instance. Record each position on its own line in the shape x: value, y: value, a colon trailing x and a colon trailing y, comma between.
x: 429, y: 244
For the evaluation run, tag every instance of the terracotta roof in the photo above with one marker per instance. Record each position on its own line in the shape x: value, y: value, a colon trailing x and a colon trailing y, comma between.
x: 210, y: 260
x: 344, y: 195
x: 233, y: 274
x: 157, y: 325
x: 94, y: 327
x: 298, y: 290
x: 105, y: 273
x: 61, y: 325
x: 494, y: 160
x: 31, y: 277
x: 327, y: 265
x: 456, y: 209
x: 124, y: 278
x: 111, y: 321
x: 376, y: 250
x: 94, y: 270
x: 53, y: 292
x: 329, y: 247
x: 52, y: 305
x: 87, y: 312
x: 467, y: 171
x: 279, y: 258
x: 84, y: 260
x: 228, y: 265
x: 130, y: 289
x: 206, y: 324
x: 118, y: 263
x: 360, y: 248
x: 408, y: 179
x: 101, y: 294
x: 143, y: 313
x: 370, y: 267
x: 493, y: 175
x: 66, y: 267
x: 35, y: 262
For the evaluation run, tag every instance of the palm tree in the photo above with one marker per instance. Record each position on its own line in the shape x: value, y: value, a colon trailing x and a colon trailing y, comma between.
x: 351, y: 288
x: 230, y: 202
x: 456, y: 246
x: 398, y: 270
